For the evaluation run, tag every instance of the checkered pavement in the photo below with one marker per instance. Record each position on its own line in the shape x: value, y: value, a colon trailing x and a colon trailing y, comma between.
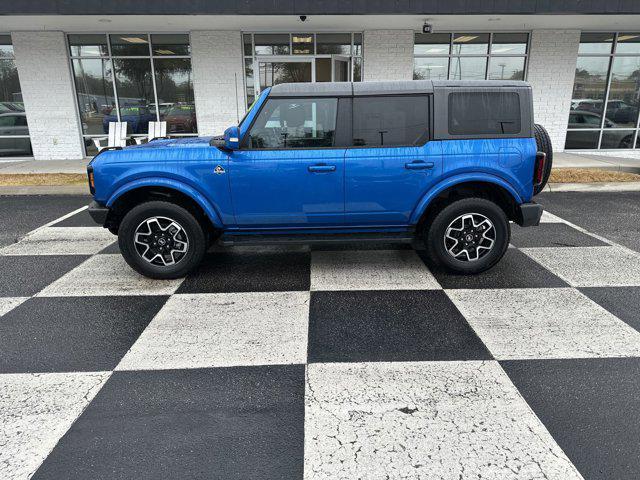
x: 327, y: 363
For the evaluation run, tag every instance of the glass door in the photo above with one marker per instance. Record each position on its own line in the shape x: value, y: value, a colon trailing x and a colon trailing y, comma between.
x: 340, y: 68
x: 272, y: 71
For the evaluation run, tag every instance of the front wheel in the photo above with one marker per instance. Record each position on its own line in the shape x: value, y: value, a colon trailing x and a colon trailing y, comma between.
x: 161, y: 240
x: 469, y: 235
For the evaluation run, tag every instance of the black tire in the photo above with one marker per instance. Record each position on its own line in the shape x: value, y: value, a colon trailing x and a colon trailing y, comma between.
x: 543, y: 141
x: 190, y: 230
x: 437, y: 243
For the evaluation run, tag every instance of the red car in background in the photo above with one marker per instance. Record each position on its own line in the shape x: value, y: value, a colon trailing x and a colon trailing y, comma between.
x: 181, y: 119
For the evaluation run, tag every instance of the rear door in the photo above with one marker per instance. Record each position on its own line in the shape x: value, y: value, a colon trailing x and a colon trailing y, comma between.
x: 391, y: 164
x: 289, y: 171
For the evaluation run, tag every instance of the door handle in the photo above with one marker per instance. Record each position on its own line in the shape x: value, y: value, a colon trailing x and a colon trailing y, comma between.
x: 321, y: 168
x: 418, y: 165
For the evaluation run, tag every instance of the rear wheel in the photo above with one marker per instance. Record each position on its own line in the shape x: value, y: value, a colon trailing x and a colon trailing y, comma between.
x: 469, y: 236
x: 161, y: 240
x: 543, y: 142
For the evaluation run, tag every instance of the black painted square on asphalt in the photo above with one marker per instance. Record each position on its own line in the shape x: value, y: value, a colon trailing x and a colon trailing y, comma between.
x: 591, y: 408
x: 623, y: 302
x: 73, y: 333
x: 389, y: 325
x: 80, y: 219
x: 250, y: 272
x: 26, y: 275
x: 515, y: 270
x: 552, y: 235
x: 223, y: 423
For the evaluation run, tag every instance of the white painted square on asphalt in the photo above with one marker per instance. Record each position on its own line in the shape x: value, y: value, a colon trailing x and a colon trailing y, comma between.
x: 424, y: 420
x: 62, y: 241
x: 222, y: 330
x: 530, y: 323
x: 36, y: 409
x: 9, y: 303
x: 370, y: 270
x: 108, y: 275
x: 590, y: 266
x: 550, y: 218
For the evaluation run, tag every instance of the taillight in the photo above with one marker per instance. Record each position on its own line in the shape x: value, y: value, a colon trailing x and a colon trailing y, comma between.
x: 92, y: 184
x: 538, y: 172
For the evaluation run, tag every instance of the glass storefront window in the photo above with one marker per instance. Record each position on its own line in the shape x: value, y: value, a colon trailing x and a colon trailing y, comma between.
x: 170, y: 44
x: 306, y: 57
x: 432, y: 44
x: 135, y: 94
x: 336, y: 43
x: 88, y: 45
x: 14, y: 130
x: 272, y: 44
x: 302, y: 43
x: 470, y: 43
x: 470, y: 56
x: 593, y: 43
x: 146, y: 78
x: 509, y: 43
x: 94, y: 88
x: 606, y: 92
x: 506, y: 68
x: 468, y: 68
x: 129, y: 45
x: 431, y: 68
x: 174, y: 87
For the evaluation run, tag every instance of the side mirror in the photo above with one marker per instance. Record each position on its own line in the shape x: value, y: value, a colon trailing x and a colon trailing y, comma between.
x: 229, y: 141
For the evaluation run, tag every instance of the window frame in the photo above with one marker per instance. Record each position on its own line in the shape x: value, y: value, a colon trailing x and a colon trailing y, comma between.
x: 245, y: 138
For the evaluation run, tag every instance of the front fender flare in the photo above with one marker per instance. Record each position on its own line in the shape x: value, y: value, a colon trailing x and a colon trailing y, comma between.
x: 456, y: 180
x: 181, y: 187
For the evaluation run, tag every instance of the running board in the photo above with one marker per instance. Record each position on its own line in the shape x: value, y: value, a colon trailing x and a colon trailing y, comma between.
x: 308, y: 238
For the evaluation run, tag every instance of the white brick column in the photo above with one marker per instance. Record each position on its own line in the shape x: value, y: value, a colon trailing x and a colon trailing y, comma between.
x: 47, y: 92
x: 388, y: 55
x: 217, y: 71
x: 552, y: 67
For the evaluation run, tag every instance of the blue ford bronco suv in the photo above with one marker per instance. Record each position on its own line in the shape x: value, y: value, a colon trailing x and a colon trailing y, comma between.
x: 448, y: 162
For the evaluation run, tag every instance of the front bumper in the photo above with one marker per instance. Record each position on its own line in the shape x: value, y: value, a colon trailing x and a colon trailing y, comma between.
x: 528, y: 214
x: 98, y: 212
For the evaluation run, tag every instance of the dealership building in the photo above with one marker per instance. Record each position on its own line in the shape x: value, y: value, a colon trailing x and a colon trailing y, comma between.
x: 69, y: 67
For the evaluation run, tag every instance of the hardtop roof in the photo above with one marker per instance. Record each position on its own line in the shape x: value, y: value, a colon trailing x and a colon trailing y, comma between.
x: 343, y: 89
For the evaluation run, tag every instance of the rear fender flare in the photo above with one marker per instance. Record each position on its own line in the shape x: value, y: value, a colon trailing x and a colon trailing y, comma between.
x: 181, y: 187
x: 459, y: 179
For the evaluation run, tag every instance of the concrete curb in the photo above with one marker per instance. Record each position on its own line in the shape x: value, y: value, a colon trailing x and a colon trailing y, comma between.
x: 593, y: 187
x: 46, y: 190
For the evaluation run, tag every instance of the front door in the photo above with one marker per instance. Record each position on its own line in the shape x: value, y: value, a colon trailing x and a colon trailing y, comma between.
x: 288, y: 172
x: 392, y: 165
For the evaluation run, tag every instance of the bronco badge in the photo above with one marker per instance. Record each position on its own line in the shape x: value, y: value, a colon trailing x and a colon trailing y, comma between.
x: 219, y: 170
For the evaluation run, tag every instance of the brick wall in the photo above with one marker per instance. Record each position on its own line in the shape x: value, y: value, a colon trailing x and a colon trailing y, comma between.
x: 47, y: 92
x: 388, y: 55
x: 217, y: 71
x: 552, y: 65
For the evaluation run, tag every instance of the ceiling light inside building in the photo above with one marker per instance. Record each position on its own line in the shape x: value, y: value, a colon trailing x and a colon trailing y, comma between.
x: 165, y: 52
x: 464, y: 38
x: 622, y: 38
x: 133, y: 39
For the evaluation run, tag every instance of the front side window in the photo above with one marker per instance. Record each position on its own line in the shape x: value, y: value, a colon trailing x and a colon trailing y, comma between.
x: 295, y: 123
x: 484, y: 113
x: 390, y: 121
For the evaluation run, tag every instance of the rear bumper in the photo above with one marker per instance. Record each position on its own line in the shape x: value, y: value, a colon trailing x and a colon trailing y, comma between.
x: 528, y: 214
x: 98, y: 212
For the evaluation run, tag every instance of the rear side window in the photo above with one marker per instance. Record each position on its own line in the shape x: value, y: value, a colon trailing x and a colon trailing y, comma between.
x: 295, y: 123
x: 389, y: 121
x: 484, y: 113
